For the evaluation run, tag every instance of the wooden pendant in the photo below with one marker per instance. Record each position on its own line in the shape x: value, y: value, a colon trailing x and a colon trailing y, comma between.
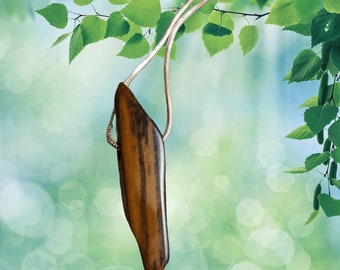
x: 141, y: 161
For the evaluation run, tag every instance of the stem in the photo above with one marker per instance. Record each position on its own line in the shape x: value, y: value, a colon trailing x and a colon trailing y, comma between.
x: 258, y: 16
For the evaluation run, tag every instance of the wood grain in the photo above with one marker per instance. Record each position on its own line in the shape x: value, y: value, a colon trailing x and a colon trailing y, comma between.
x: 141, y: 161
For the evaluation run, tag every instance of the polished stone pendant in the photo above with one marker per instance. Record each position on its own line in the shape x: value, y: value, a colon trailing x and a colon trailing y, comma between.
x: 141, y: 161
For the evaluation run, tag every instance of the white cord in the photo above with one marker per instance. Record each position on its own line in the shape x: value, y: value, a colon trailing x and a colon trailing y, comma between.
x: 159, y: 45
x: 167, y: 57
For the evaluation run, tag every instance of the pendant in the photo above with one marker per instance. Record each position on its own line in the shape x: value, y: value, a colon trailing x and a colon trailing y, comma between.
x: 141, y: 156
x: 141, y: 161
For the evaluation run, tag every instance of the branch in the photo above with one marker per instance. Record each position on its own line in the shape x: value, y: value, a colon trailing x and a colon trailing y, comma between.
x: 258, y: 16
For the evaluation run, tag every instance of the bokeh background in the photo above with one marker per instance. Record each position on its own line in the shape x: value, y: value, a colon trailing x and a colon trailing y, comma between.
x: 230, y: 206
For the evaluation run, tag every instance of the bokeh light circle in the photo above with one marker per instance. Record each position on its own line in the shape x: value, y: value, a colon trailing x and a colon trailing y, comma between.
x: 26, y: 208
x: 75, y: 261
x: 39, y: 259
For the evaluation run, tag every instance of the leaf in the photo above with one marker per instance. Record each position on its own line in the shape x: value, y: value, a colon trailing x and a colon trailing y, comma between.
x: 288, y: 76
x: 318, y: 117
x: 248, y: 37
x: 301, y: 133
x: 82, y: 2
x: 137, y: 46
x: 291, y: 15
x: 261, y: 3
x: 143, y: 13
x: 335, y: 56
x: 60, y: 39
x: 208, y: 7
x: 325, y: 26
x: 215, y: 30
x: 336, y: 93
x: 134, y: 29
x: 215, y: 43
x: 93, y: 29
x: 118, y: 2
x: 194, y: 22
x: 296, y: 170
x: 76, y: 43
x: 332, y: 6
x: 162, y: 25
x: 336, y: 155
x: 306, y: 6
x: 305, y: 66
x: 304, y: 26
x: 311, y: 102
x: 334, y: 133
x: 329, y: 205
x: 117, y: 26
x: 315, y: 160
x: 335, y: 182
x: 312, y: 216
x: 55, y: 14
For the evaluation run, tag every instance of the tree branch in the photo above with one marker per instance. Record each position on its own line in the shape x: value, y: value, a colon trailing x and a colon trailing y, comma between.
x: 258, y: 16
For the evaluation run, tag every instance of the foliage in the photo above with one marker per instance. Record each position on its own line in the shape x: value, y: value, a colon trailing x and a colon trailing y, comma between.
x: 134, y: 21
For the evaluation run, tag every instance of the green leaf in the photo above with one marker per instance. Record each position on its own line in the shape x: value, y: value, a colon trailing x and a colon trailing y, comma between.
x: 82, y: 2
x: 334, y: 133
x: 215, y: 43
x: 117, y: 26
x: 93, y: 29
x: 143, y: 13
x: 335, y: 56
x: 329, y: 205
x: 304, y: 26
x: 76, y: 43
x: 305, y: 66
x: 315, y: 160
x: 296, y: 170
x: 136, y: 47
x: 208, y: 7
x: 162, y: 25
x: 306, y: 6
x: 194, y: 22
x: 319, y: 116
x: 261, y: 3
x: 55, y: 14
x: 325, y: 26
x: 60, y: 39
x: 312, y: 216
x: 336, y: 93
x: 311, y: 102
x: 215, y: 30
x: 248, y: 36
x: 288, y: 76
x: 332, y: 6
x: 118, y: 2
x: 301, y: 133
x: 134, y: 29
x: 291, y: 15
x: 336, y: 155
x: 335, y: 182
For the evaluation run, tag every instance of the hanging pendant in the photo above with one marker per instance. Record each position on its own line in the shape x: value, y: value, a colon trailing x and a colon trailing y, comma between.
x: 141, y: 156
x: 141, y: 161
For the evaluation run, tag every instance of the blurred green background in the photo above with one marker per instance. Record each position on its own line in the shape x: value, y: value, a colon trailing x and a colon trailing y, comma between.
x: 230, y: 206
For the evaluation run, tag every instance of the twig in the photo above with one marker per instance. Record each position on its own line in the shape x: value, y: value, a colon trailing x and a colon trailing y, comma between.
x: 258, y: 16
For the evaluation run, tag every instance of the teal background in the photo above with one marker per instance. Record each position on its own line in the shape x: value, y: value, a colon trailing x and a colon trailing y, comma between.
x: 230, y: 206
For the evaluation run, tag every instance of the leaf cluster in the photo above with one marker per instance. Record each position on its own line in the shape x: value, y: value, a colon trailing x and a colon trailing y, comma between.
x: 140, y: 24
x: 320, y: 62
